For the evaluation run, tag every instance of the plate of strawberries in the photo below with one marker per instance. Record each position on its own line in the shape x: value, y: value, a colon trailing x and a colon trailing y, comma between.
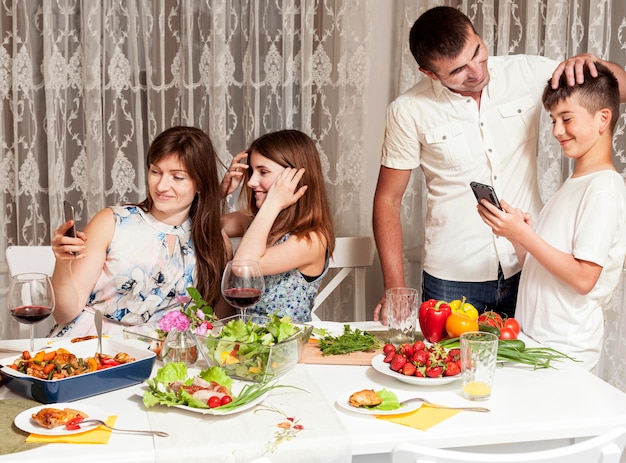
x: 419, y: 363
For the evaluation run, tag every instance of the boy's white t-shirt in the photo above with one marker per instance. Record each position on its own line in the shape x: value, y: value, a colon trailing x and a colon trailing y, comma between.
x: 586, y: 217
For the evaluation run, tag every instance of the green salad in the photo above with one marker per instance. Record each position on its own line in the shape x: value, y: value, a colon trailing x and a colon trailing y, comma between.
x: 162, y: 392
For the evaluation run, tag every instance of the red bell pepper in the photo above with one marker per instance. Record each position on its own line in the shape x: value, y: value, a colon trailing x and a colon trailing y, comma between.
x: 432, y: 317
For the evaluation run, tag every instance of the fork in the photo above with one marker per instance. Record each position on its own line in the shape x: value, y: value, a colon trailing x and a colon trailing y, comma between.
x: 469, y: 409
x: 134, y: 431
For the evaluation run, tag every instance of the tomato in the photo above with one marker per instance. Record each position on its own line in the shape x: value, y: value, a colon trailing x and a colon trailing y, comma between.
x: 491, y: 318
x: 458, y: 323
x: 513, y: 324
x: 214, y: 402
x: 226, y: 400
x: 507, y: 333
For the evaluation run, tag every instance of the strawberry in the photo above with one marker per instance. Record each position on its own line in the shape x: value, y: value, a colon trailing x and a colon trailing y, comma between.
x: 434, y: 371
x: 397, y: 362
x: 419, y: 345
x: 407, y: 350
x: 420, y: 357
x: 388, y: 348
x: 389, y: 357
x: 452, y: 369
x: 408, y: 369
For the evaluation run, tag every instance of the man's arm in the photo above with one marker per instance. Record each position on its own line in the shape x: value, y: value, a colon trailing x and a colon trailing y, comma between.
x: 388, y: 230
x: 573, y: 69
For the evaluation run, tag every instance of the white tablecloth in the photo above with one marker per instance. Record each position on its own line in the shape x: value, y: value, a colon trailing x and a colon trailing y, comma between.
x: 263, y: 437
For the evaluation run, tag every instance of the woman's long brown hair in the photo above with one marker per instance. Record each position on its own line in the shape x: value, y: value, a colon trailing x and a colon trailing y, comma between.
x: 195, y: 150
x: 311, y: 213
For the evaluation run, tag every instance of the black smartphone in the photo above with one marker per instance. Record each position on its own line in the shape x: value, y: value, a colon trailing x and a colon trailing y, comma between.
x: 485, y: 191
x: 69, y: 215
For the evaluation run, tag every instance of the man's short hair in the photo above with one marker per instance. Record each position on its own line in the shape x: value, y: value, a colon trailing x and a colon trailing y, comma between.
x: 440, y: 32
x: 594, y: 94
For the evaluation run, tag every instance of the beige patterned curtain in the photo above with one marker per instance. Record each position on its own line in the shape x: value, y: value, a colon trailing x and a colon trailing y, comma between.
x: 86, y: 85
x: 553, y: 28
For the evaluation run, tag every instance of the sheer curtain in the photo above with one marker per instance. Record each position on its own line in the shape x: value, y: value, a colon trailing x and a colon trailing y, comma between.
x: 557, y: 29
x: 86, y: 85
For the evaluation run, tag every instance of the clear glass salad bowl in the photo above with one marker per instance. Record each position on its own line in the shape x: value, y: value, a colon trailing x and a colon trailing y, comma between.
x: 259, y: 349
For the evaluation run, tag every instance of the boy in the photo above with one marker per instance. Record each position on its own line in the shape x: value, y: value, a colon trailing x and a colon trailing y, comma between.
x: 573, y: 259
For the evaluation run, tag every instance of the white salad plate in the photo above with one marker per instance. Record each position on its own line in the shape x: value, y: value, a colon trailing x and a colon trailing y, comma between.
x: 343, y: 402
x: 379, y: 365
x: 236, y: 388
x: 25, y: 422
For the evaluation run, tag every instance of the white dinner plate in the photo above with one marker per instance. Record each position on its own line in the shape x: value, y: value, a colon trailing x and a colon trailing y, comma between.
x: 379, y: 364
x: 25, y: 422
x: 236, y: 389
x: 343, y: 402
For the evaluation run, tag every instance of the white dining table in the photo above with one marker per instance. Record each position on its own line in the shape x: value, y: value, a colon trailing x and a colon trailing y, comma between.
x: 530, y: 409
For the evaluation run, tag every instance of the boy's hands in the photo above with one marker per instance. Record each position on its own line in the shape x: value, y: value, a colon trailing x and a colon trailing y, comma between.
x: 284, y: 191
x: 509, y: 223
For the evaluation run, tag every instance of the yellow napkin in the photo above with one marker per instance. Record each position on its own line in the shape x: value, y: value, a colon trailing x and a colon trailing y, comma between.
x: 99, y: 435
x: 423, y: 418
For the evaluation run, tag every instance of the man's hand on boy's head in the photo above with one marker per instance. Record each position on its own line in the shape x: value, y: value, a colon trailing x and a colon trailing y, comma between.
x: 573, y: 68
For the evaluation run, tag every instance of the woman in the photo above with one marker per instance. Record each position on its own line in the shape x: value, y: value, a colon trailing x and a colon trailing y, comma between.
x: 286, y: 219
x: 131, y: 262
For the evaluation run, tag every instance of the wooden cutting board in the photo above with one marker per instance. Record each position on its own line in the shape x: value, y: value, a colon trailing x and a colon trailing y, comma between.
x: 312, y: 354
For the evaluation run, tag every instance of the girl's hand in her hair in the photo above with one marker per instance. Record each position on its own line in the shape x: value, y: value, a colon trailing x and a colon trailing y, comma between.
x: 284, y: 191
x: 234, y: 175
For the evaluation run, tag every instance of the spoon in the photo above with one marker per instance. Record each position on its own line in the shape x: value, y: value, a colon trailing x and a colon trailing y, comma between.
x: 469, y: 409
x: 134, y: 431
x: 98, y: 321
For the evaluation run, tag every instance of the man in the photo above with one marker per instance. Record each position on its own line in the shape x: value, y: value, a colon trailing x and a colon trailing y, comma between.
x: 474, y: 119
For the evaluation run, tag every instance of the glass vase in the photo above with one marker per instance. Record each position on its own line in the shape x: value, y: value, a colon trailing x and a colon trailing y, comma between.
x: 180, y: 346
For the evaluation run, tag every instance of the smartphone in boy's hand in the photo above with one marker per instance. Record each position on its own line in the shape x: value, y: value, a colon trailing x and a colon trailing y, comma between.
x: 482, y: 191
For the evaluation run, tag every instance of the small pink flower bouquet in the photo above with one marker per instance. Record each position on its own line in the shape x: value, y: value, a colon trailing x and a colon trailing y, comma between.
x: 194, y: 315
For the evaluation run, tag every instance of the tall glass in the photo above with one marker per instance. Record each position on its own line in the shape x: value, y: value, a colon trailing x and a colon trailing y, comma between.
x: 30, y: 300
x: 242, y: 284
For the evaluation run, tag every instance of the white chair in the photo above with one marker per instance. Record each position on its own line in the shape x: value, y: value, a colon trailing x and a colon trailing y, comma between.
x: 352, y: 254
x: 31, y: 259
x: 605, y: 448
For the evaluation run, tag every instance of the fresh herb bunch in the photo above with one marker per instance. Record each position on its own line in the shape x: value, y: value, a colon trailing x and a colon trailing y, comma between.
x: 195, y: 314
x: 350, y: 341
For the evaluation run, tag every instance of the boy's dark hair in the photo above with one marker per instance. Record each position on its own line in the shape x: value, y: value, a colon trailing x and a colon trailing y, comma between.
x: 440, y: 32
x: 594, y: 93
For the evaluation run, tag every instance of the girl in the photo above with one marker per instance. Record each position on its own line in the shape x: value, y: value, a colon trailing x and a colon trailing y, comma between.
x: 132, y: 261
x: 285, y: 215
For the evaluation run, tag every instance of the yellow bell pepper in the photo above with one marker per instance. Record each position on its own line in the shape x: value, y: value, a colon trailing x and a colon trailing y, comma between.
x: 460, y: 306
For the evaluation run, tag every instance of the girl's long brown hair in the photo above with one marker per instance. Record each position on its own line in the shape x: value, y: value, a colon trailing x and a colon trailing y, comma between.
x: 195, y: 150
x: 311, y: 213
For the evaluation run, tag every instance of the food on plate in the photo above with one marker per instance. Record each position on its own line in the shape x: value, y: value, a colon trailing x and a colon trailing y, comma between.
x: 432, y: 316
x: 348, y: 342
x: 418, y: 359
x: 49, y: 417
x: 61, y: 363
x: 365, y: 398
x: 83, y: 338
x: 173, y: 385
x: 382, y: 400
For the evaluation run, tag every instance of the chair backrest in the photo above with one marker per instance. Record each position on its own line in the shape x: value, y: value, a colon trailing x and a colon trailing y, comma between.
x: 28, y: 259
x: 605, y: 448
x: 352, y: 253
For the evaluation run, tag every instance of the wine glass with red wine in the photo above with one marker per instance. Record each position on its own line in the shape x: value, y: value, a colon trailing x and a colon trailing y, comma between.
x: 30, y: 300
x: 242, y: 284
